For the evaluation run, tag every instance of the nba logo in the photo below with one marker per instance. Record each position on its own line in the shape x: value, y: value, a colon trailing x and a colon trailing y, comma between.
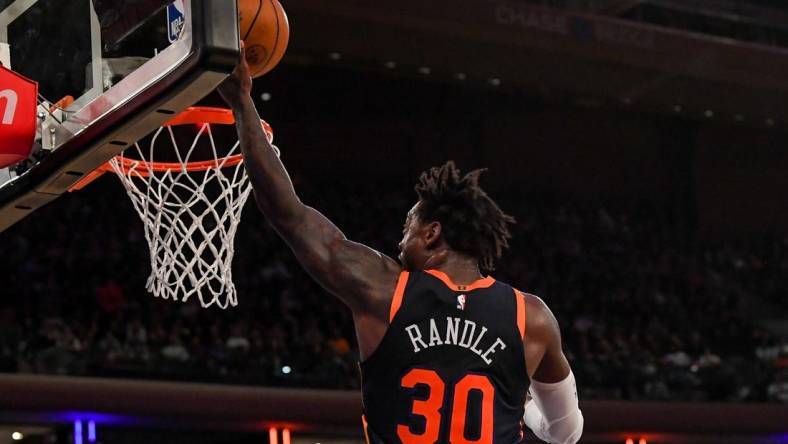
x: 175, y: 20
x: 461, y: 302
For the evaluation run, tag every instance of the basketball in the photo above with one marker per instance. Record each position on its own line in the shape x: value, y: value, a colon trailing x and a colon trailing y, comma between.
x: 265, y: 32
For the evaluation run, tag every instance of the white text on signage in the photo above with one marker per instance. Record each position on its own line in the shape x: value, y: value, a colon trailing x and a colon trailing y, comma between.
x: 10, y: 105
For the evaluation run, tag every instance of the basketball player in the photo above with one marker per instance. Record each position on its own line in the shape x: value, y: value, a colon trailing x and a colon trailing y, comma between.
x: 447, y: 355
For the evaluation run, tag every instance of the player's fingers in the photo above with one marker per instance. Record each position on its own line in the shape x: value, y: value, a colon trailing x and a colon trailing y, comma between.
x: 244, y: 65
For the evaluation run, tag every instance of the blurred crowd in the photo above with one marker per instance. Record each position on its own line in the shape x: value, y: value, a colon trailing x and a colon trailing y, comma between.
x: 754, y: 21
x: 646, y: 310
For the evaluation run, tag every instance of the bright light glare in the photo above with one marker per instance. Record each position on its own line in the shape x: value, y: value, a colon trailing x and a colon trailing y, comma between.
x: 16, y: 436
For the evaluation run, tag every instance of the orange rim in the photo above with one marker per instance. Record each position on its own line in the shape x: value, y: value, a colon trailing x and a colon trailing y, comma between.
x: 143, y: 169
x: 195, y: 115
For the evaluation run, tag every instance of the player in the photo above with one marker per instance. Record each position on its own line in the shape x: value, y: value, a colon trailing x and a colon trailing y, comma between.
x: 447, y: 355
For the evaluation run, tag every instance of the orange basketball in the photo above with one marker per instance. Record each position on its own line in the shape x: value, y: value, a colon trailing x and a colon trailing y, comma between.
x: 265, y: 32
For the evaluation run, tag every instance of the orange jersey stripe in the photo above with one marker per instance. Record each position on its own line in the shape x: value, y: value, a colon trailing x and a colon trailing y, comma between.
x: 364, y: 423
x: 520, y: 312
x: 481, y: 283
x: 396, y: 301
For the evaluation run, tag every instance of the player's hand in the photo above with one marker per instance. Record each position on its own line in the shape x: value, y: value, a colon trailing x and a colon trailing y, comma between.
x: 238, y: 86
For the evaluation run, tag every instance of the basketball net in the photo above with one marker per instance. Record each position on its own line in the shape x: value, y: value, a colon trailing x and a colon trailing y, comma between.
x: 190, y: 209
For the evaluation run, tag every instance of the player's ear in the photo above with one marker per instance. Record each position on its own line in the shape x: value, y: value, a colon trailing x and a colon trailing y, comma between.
x: 432, y: 233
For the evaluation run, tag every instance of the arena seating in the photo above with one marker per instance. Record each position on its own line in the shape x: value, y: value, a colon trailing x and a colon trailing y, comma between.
x: 647, y: 311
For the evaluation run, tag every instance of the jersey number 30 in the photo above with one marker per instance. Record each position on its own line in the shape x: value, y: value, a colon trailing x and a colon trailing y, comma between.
x: 430, y: 408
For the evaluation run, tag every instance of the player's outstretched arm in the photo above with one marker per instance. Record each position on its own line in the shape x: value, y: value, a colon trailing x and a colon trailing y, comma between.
x: 353, y: 272
x: 553, y: 412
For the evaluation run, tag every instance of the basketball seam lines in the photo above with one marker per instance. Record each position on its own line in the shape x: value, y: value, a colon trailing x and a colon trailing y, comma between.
x: 254, y: 20
x: 276, y: 42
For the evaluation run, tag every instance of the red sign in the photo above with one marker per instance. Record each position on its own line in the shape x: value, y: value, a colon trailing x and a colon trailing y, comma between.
x: 18, y: 103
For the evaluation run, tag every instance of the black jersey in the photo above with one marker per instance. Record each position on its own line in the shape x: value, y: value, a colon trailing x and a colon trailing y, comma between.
x: 451, y: 366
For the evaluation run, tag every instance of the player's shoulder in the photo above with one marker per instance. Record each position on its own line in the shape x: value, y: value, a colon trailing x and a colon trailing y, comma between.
x: 540, y: 320
x: 534, y: 302
x: 530, y: 299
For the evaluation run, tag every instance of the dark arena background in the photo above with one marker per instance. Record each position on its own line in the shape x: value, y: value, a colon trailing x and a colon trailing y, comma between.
x: 642, y: 146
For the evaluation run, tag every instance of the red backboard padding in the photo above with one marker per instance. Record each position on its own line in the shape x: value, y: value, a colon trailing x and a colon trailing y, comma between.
x: 17, y: 116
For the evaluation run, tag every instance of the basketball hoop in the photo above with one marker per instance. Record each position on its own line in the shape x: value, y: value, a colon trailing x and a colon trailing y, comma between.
x: 190, y: 208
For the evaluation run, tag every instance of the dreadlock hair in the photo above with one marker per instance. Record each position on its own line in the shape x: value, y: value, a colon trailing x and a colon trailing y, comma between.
x: 471, y: 222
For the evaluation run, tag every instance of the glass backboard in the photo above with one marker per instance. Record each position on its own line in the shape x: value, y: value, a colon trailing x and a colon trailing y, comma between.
x: 109, y: 72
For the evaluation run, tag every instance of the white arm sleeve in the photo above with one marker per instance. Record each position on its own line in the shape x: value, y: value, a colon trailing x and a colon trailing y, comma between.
x: 553, y: 414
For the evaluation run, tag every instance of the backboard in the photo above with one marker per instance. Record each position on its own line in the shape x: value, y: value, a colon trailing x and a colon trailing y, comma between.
x: 109, y: 73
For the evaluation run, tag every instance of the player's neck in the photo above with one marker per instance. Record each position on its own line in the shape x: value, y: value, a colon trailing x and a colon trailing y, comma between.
x: 461, y: 269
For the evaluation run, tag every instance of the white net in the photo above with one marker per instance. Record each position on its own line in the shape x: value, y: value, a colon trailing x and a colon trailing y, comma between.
x: 190, y: 214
